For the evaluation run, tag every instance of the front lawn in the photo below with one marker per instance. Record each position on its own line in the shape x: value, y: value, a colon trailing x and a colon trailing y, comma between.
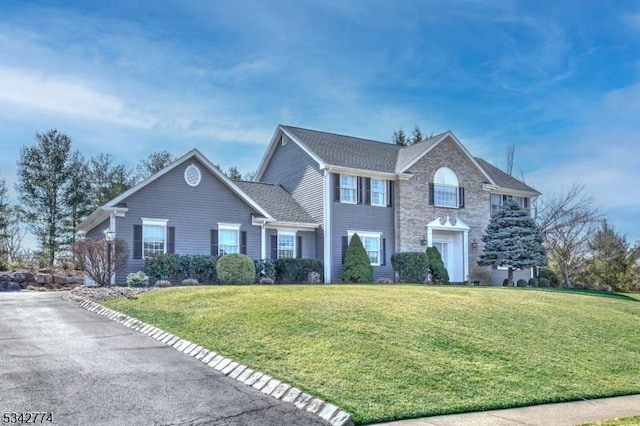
x: 392, y: 352
x: 626, y: 421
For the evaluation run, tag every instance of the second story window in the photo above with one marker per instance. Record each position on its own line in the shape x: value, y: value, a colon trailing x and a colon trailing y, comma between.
x: 444, y: 191
x: 348, y: 189
x: 499, y: 200
x: 378, y: 192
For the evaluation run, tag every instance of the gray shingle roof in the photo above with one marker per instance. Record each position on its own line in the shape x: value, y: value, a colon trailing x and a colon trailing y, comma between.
x: 502, y: 179
x: 276, y: 201
x: 367, y: 154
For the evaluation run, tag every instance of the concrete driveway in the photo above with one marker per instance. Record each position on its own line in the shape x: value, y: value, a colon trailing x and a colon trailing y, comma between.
x: 87, y: 370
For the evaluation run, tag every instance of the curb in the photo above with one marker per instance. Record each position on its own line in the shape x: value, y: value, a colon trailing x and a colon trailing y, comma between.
x: 235, y: 370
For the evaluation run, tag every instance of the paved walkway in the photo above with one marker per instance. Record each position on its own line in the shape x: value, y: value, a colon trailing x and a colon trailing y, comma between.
x: 88, y: 370
x: 560, y: 414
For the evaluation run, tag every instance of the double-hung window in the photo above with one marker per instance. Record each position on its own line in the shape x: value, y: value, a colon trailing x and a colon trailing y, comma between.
x: 378, y: 192
x: 228, y: 239
x: 372, y: 245
x: 348, y: 189
x: 445, y: 188
x: 154, y: 236
x: 286, y: 245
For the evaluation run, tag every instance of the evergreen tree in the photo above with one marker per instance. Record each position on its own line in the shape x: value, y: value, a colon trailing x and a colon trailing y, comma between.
x: 44, y: 185
x: 357, y: 266
x: 234, y: 173
x: 612, y: 261
x: 512, y: 240
x: 400, y: 138
x: 78, y: 197
x: 107, y: 180
x: 416, y: 136
x: 437, y: 270
x: 4, y: 218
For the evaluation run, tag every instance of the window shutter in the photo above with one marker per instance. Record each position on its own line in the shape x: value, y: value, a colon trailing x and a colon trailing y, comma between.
x: 526, y: 202
x: 299, y: 247
x: 431, y: 196
x: 336, y: 187
x: 274, y: 247
x: 171, y: 245
x: 383, y: 261
x: 390, y: 193
x: 243, y: 242
x: 214, y: 242
x: 360, y: 190
x: 345, y: 244
x: 367, y: 191
x: 461, y: 197
x: 137, y: 241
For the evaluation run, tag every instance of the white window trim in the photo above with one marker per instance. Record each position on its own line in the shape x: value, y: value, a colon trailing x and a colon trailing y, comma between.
x: 369, y: 234
x: 355, y: 189
x: 457, y: 192
x: 228, y: 227
x: 385, y: 184
x: 155, y: 222
x: 199, y: 174
x: 287, y: 233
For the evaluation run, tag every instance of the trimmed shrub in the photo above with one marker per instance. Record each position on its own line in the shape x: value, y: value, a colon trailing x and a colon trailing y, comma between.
x: 163, y: 283
x: 437, y: 270
x: 543, y: 282
x: 265, y: 268
x: 522, y: 283
x: 384, y: 280
x: 265, y: 280
x: 235, y: 269
x: 290, y: 271
x: 505, y: 282
x: 550, y: 275
x: 533, y: 282
x: 160, y: 265
x: 189, y: 281
x: 137, y: 279
x: 356, y: 267
x: 204, y: 268
x: 411, y: 267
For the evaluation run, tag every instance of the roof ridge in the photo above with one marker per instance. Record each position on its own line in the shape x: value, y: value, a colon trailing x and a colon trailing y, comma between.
x: 341, y: 135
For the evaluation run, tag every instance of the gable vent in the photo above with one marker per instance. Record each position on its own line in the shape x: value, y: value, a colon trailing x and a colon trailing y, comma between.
x: 192, y: 175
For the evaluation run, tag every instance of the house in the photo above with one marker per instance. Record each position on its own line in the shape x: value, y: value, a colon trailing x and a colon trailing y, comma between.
x: 313, y: 190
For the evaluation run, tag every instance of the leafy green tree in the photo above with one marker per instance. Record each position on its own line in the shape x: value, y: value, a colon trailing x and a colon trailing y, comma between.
x: 437, y: 270
x: 155, y: 162
x: 612, y: 260
x: 44, y: 186
x: 78, y: 196
x: 357, y: 266
x: 513, y: 240
x: 108, y: 180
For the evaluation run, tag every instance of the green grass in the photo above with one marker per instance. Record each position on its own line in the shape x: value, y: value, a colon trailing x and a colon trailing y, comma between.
x: 626, y: 421
x: 392, y: 352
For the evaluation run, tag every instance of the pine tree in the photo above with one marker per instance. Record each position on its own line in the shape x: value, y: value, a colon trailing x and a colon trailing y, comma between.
x: 512, y: 240
x: 107, y: 181
x: 611, y: 260
x: 400, y: 138
x: 78, y: 195
x: 4, y: 217
x: 357, y: 266
x: 416, y: 136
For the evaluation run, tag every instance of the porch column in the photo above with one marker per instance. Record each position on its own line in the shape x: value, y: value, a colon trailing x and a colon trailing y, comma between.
x: 263, y: 242
x: 429, y: 237
x: 112, y: 228
x: 465, y: 254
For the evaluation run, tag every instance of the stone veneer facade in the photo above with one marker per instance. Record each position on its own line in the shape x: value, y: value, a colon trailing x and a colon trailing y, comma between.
x: 413, y: 211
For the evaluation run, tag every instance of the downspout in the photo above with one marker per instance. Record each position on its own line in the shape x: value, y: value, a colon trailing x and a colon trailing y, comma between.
x: 327, y: 226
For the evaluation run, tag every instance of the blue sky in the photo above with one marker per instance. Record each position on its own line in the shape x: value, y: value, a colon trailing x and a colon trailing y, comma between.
x: 558, y: 79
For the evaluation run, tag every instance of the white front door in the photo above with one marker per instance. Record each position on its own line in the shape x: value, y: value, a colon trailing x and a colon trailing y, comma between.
x: 449, y: 244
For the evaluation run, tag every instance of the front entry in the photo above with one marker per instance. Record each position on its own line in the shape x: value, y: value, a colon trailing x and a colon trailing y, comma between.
x: 451, y: 240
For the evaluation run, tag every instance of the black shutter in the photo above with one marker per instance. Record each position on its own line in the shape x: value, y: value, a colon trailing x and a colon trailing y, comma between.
x: 243, y: 242
x: 274, y: 247
x: 383, y: 261
x: 345, y: 244
x: 171, y: 245
x: 367, y: 191
x: 299, y: 247
x: 359, y: 190
x: 137, y: 241
x: 431, y: 196
x: 336, y: 187
x: 461, y: 197
x: 214, y: 242
x: 390, y: 193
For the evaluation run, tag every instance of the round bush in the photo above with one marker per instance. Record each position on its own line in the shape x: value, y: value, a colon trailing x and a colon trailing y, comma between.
x: 533, y: 282
x: 505, y: 282
x: 137, y: 279
x: 235, y: 269
x: 522, y: 283
x: 543, y: 282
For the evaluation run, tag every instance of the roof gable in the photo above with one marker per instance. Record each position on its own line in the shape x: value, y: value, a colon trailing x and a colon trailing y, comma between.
x: 504, y: 180
x: 277, y: 201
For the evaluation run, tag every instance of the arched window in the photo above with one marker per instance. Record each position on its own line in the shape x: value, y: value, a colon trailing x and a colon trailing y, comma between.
x: 445, y: 189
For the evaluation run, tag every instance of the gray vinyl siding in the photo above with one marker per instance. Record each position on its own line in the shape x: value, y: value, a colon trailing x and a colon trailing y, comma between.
x: 363, y: 218
x: 299, y: 175
x: 193, y: 211
x: 308, y: 243
x: 98, y: 231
